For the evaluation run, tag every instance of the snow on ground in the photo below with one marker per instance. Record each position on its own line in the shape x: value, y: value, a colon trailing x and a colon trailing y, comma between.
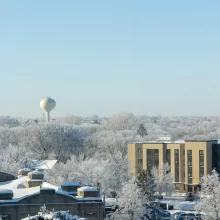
x: 180, y: 205
x: 175, y: 194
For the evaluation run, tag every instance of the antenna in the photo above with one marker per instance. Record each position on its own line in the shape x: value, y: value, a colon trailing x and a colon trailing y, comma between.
x: 47, y: 104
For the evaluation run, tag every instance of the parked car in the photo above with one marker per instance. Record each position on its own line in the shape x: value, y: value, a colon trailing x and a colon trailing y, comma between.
x: 189, y: 197
x: 161, y: 212
x: 165, y: 206
x: 185, y: 216
x: 152, y: 213
x: 162, y: 205
x: 159, y: 197
x: 198, y: 216
x: 180, y: 216
x: 190, y: 216
x: 176, y: 214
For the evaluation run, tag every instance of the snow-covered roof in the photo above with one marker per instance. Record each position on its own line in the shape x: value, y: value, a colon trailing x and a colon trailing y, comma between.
x: 18, y: 188
x: 43, y: 164
x: 7, y: 173
x: 37, y: 172
x: 87, y: 188
x: 159, y: 142
x: 48, y: 185
x: 26, y: 169
x: 20, y: 191
x: 34, y: 180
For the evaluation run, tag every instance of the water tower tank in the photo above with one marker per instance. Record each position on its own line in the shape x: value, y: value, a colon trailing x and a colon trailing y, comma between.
x: 47, y: 104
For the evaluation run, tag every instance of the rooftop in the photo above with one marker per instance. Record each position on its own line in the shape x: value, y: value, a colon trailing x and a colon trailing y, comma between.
x: 174, y: 142
x: 20, y: 191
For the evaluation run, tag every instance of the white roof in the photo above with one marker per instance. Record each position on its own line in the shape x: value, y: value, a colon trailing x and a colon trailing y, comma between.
x: 87, y: 188
x: 37, y: 172
x: 26, y: 169
x: 19, y: 192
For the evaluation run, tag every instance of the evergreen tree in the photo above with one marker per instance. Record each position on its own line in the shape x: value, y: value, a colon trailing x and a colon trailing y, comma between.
x: 145, y: 182
x: 141, y: 130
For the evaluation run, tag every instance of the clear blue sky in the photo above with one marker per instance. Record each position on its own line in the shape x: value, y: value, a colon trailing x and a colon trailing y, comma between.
x: 105, y: 57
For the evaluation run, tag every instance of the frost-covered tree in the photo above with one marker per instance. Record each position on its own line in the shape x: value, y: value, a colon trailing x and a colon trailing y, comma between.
x: 53, y: 141
x: 13, y: 158
x: 52, y: 215
x: 209, y: 201
x: 118, y: 166
x: 131, y: 202
x: 163, y: 179
x: 120, y: 122
x: 78, y: 168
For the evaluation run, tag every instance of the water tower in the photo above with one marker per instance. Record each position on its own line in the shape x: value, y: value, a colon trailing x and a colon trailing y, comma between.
x: 47, y: 104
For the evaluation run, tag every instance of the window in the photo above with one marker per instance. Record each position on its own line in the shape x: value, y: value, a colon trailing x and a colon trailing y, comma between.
x: 189, y: 188
x: 190, y: 180
x: 201, y: 174
x: 156, y: 152
x: 177, y: 186
x: 140, y: 161
x: 201, y: 152
x: 189, y: 163
x: 168, y: 159
x: 201, y: 163
x: 139, y: 150
x: 152, y: 158
x: 177, y: 161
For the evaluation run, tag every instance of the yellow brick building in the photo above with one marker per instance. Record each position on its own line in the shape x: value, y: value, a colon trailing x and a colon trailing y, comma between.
x: 188, y: 160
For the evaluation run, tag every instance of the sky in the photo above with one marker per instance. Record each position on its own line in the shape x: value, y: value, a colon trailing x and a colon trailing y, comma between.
x: 106, y: 57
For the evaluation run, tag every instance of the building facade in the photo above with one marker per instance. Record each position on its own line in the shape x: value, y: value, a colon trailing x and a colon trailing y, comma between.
x: 189, y: 160
x: 25, y: 195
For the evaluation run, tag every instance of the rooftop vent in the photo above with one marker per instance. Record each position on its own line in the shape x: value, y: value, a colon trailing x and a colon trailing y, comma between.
x: 6, y: 194
x: 88, y: 191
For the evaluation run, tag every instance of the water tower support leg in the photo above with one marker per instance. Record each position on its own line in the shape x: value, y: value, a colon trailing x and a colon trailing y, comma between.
x: 47, y: 116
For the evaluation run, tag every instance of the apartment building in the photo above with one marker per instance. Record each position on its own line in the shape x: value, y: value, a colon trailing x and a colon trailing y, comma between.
x: 188, y: 160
